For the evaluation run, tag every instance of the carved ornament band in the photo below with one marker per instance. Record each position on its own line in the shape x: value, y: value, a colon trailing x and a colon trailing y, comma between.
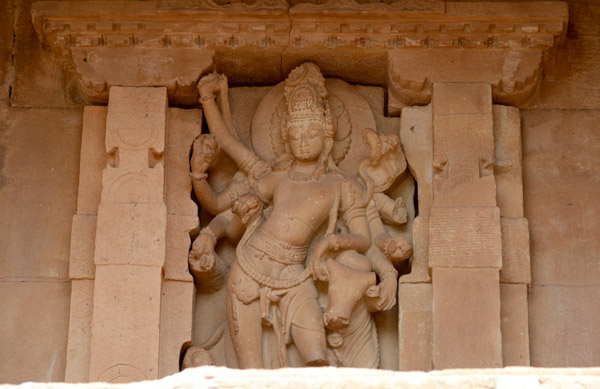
x: 198, y: 176
x: 353, y: 213
x: 278, y: 251
x: 206, y: 98
x: 208, y: 231
x: 389, y: 271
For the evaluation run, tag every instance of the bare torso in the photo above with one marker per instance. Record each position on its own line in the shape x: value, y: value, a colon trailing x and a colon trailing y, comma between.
x: 299, y: 209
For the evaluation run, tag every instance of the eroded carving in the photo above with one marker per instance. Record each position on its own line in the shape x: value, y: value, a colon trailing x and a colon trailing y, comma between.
x: 309, y: 236
x: 257, y: 41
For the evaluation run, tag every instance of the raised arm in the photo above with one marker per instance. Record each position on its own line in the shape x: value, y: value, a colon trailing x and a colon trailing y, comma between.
x: 209, y: 86
x: 204, y: 150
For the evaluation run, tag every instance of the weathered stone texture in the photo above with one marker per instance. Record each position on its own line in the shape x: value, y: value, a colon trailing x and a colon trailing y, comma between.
x: 6, y: 46
x: 462, y: 98
x: 463, y: 145
x: 416, y: 134
x: 466, y: 318
x: 183, y: 127
x: 387, y: 332
x: 465, y: 237
x: 564, y: 325
x: 178, y: 290
x: 375, y: 96
x: 508, y: 161
x: 35, y: 322
x: 514, y: 325
x: 127, y: 301
x: 341, y: 64
x: 512, y: 74
x: 80, y: 331
x: 561, y: 156
x: 571, y: 79
x: 463, y: 148
x: 342, y: 378
x: 176, y: 312
x: 101, y: 68
x: 39, y: 151
x: 38, y: 195
x: 39, y: 79
x: 420, y: 260
x: 131, y: 234
x: 130, y: 239
x: 562, y: 185
x: 91, y: 164
x: 178, y: 242
x: 516, y: 264
x: 83, y: 238
x: 415, y: 304
x: 93, y: 159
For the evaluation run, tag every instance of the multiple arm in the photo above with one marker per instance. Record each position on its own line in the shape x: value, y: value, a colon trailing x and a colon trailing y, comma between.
x: 208, y: 86
x: 367, y: 235
x: 202, y: 255
x: 212, y: 202
x: 224, y: 225
x: 209, y: 271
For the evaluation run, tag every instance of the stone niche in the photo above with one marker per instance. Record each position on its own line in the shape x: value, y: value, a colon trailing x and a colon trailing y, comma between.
x: 359, y: 203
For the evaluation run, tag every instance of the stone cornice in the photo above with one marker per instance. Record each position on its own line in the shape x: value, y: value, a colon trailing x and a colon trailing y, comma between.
x: 336, y: 23
x: 152, y: 24
x: 429, y: 24
x: 260, y: 42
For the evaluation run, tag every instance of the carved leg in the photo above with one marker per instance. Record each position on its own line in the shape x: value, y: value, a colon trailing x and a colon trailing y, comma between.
x: 243, y: 314
x: 308, y: 333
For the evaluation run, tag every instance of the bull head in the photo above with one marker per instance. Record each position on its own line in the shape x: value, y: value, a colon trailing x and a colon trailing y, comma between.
x: 347, y: 286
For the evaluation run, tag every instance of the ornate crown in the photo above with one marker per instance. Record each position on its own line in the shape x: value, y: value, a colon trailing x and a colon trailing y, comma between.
x: 305, y: 94
x: 306, y: 98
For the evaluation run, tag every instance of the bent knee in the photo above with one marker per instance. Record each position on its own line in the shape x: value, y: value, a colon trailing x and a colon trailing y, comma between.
x: 309, y: 316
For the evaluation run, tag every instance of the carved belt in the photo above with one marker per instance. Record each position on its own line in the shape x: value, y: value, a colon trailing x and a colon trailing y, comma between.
x: 281, y: 252
x: 251, y: 271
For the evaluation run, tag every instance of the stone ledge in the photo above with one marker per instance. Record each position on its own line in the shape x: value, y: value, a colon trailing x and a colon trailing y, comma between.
x: 117, y: 43
x: 215, y: 377
x: 335, y: 23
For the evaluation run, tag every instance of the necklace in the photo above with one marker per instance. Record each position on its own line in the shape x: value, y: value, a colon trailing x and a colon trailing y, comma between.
x: 300, y: 180
x: 309, y: 178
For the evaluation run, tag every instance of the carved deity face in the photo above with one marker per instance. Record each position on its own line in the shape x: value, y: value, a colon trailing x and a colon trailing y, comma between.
x: 306, y: 139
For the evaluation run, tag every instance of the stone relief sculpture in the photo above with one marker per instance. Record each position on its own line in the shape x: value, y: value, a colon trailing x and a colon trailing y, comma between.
x: 313, y: 259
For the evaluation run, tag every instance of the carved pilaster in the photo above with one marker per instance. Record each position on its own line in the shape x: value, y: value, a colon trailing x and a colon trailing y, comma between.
x: 465, y: 246
x: 130, y: 239
x: 182, y: 217
x: 83, y: 235
x: 463, y: 152
x: 515, y: 276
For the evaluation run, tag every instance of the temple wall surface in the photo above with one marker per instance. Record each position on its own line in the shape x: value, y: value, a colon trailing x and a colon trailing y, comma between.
x: 40, y: 141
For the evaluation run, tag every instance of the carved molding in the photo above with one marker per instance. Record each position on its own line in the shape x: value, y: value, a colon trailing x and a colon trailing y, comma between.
x: 428, y: 24
x: 336, y: 23
x: 259, y: 42
x: 201, y: 24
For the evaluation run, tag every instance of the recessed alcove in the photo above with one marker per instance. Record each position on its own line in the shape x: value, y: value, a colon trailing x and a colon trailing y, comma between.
x: 432, y: 72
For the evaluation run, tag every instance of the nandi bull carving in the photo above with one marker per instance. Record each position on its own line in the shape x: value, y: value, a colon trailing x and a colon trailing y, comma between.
x: 300, y: 217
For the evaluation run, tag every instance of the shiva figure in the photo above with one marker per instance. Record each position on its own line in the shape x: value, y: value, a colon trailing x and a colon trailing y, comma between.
x: 271, y: 283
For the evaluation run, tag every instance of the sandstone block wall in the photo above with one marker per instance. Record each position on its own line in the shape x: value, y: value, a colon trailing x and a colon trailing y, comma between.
x: 40, y: 140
